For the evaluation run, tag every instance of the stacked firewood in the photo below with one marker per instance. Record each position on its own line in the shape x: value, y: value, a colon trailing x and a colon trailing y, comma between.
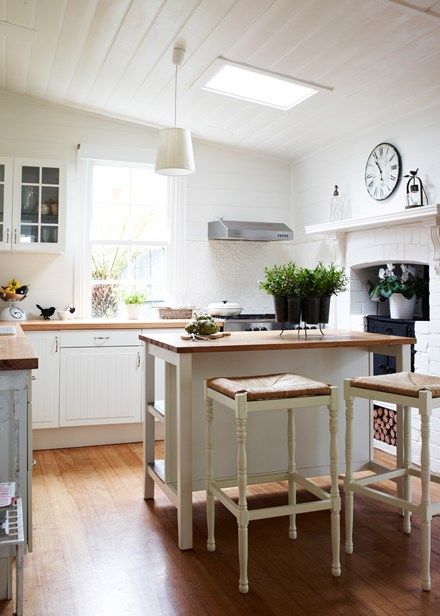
x: 385, y: 425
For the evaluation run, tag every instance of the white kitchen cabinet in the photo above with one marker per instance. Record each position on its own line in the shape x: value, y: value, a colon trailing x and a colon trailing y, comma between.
x: 5, y: 203
x: 34, y: 212
x: 100, y: 385
x: 46, y: 379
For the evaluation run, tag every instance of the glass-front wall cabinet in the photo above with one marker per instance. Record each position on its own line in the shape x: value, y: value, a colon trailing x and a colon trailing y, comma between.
x: 38, y: 206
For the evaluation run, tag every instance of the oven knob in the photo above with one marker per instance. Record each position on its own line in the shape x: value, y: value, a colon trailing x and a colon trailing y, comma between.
x: 264, y: 329
x: 256, y: 329
x: 248, y: 329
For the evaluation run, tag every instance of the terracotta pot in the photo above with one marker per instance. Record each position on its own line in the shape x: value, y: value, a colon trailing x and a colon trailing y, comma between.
x: 400, y: 307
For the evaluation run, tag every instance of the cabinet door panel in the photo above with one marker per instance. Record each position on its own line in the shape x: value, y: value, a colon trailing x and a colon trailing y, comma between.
x: 100, y: 385
x: 5, y: 203
x: 45, y: 380
x: 39, y: 206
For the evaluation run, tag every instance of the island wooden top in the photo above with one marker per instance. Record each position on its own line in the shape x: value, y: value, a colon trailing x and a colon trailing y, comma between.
x: 15, y: 351
x: 272, y: 341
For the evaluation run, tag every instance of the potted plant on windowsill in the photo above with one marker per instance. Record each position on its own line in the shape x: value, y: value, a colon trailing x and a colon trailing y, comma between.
x: 134, y: 302
x: 402, y: 291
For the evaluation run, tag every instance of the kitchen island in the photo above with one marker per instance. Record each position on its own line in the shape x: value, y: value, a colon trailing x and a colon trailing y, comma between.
x: 330, y: 358
x: 17, y: 359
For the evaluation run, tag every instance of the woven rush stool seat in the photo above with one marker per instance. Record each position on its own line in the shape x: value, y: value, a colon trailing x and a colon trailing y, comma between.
x: 272, y: 392
x: 407, y: 391
x: 401, y: 383
x: 269, y: 386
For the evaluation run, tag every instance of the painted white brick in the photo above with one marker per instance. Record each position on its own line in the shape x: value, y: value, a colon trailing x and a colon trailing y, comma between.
x: 434, y: 367
x: 422, y: 362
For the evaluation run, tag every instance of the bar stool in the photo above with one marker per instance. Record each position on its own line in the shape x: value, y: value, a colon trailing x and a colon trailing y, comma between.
x: 262, y: 393
x: 420, y: 391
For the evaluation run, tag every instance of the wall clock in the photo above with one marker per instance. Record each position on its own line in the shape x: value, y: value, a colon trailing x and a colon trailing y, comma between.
x: 382, y: 171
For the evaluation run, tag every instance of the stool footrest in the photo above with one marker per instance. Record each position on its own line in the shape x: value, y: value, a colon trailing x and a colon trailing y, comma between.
x: 387, y: 476
x: 275, y: 512
x: 311, y: 487
x: 231, y: 482
x: 389, y: 499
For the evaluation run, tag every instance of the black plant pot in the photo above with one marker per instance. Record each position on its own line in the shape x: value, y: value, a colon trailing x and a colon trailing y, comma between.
x: 324, y: 308
x: 280, y: 305
x: 310, y: 310
x: 294, y: 309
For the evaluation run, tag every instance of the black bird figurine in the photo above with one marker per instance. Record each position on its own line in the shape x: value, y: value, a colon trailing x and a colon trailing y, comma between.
x: 46, y: 313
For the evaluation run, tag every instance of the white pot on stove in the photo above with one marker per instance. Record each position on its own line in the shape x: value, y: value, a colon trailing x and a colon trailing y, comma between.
x: 223, y: 309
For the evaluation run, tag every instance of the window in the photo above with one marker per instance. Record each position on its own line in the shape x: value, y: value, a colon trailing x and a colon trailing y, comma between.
x: 128, y: 236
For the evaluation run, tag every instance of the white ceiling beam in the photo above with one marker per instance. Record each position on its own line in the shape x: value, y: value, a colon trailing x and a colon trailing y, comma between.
x: 415, y: 9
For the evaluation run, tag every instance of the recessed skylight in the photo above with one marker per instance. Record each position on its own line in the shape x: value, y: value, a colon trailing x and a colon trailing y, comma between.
x: 257, y: 86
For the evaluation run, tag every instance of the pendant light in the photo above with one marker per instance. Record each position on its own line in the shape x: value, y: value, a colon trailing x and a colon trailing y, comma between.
x: 175, y: 152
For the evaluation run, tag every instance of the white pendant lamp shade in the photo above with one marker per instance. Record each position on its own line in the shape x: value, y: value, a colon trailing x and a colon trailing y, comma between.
x: 175, y: 152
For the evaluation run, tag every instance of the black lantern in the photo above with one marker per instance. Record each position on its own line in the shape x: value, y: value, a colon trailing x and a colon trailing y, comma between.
x: 415, y: 193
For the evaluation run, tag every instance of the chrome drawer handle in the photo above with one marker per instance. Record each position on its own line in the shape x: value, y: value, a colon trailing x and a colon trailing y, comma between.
x: 101, y: 339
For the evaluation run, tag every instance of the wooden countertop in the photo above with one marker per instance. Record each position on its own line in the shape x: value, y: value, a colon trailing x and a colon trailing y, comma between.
x: 58, y: 325
x: 15, y: 351
x: 272, y: 341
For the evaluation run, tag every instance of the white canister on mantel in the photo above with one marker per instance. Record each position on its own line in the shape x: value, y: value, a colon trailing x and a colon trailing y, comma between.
x: 400, y: 307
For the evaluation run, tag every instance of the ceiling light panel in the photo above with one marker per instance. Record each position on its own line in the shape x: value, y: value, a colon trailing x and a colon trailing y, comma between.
x: 256, y: 86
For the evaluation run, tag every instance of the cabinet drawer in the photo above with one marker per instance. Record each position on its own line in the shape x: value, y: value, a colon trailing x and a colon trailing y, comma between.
x: 100, y: 338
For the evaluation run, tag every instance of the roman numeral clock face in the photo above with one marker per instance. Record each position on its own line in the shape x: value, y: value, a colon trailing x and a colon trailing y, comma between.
x: 382, y: 172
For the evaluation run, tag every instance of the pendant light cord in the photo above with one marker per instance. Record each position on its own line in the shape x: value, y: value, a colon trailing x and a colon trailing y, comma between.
x: 175, y: 99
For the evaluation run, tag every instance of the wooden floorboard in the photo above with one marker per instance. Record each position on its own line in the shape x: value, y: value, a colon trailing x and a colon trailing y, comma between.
x: 100, y: 549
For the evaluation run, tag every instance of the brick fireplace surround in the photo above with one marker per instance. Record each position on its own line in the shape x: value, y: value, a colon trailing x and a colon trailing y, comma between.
x: 406, y: 237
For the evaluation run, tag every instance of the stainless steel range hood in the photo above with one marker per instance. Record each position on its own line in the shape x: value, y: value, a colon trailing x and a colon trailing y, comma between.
x: 251, y: 231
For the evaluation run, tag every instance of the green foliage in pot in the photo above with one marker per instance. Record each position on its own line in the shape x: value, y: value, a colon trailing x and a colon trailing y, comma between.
x: 135, y: 298
x: 329, y: 280
x: 408, y: 284
x: 276, y: 280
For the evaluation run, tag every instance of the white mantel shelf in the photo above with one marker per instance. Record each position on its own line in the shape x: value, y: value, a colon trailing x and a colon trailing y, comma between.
x: 425, y: 214
x: 337, y: 231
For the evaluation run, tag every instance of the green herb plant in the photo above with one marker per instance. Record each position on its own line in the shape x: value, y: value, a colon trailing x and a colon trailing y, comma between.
x: 135, y: 298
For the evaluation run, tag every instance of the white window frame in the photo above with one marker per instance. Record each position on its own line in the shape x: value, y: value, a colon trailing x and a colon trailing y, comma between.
x: 83, y: 252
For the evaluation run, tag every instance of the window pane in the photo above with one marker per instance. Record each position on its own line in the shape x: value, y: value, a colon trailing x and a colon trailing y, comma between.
x: 148, y: 224
x: 105, y: 300
x: 2, y: 173
x: 111, y: 184
x: 50, y: 175
x: 29, y: 203
x: 30, y: 175
x: 28, y: 234
x: 110, y: 222
x: 149, y: 265
x: 2, y: 198
x: 110, y: 262
x: 148, y: 188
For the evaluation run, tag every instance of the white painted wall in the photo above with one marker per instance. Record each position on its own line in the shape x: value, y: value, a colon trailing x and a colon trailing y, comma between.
x: 227, y: 183
x: 417, y: 137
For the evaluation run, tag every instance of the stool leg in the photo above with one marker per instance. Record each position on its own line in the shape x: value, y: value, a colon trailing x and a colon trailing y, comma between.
x: 210, y: 501
x: 291, y: 470
x: 243, y: 516
x: 336, y: 501
x: 407, y: 486
x: 19, y: 571
x: 348, y: 471
x: 425, y: 505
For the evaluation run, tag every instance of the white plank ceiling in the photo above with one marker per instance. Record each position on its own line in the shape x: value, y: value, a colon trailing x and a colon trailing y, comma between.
x: 113, y: 57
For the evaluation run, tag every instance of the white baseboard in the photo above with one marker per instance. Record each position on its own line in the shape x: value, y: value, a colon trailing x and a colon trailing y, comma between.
x: 84, y: 436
